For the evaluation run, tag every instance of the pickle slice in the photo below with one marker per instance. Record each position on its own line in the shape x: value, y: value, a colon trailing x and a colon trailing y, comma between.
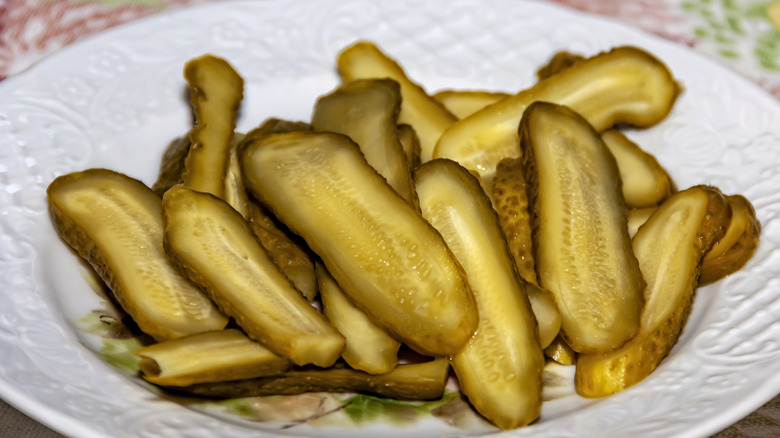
x: 500, y: 368
x: 429, y: 118
x: 419, y: 381
x: 410, y: 144
x: 366, y: 110
x: 670, y: 248
x: 560, y: 352
x: 172, y: 165
x: 369, y: 348
x: 216, y: 356
x: 737, y: 246
x: 390, y: 262
x: 116, y: 223
x: 637, y: 217
x: 581, y: 245
x: 558, y: 63
x: 216, y: 91
x: 213, y: 245
x: 645, y: 182
x: 624, y: 85
x: 463, y: 103
x: 546, y: 312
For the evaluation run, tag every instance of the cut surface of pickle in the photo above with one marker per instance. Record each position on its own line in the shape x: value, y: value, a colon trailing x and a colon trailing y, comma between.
x: 410, y: 144
x: 624, y: 85
x: 213, y: 245
x: 670, y: 248
x: 428, y: 117
x: 737, y: 246
x: 463, y: 103
x: 116, y: 223
x: 369, y: 348
x: 366, y: 111
x: 415, y: 381
x: 216, y: 356
x: 500, y: 368
x: 580, y: 233
x: 216, y: 91
x: 390, y: 262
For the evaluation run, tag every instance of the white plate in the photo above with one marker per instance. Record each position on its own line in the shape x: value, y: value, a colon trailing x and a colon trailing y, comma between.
x: 117, y: 99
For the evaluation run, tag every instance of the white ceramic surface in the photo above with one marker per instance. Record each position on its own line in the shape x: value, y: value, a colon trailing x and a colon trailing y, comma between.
x: 117, y: 99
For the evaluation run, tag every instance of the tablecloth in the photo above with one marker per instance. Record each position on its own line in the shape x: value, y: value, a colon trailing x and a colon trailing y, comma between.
x: 743, y: 35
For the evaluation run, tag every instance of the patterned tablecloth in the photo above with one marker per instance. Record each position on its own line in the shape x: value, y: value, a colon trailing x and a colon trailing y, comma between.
x: 741, y: 34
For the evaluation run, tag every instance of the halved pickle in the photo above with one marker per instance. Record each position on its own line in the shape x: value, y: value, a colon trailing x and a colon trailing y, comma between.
x: 235, y: 192
x: 500, y: 368
x: 558, y: 63
x: 546, y: 312
x: 216, y: 356
x: 369, y: 348
x: 172, y: 164
x: 390, y: 262
x: 417, y: 381
x: 366, y: 110
x: 670, y: 248
x: 560, y: 352
x: 428, y: 117
x: 645, y: 182
x: 581, y: 245
x: 463, y: 103
x: 637, y: 217
x: 410, y: 144
x: 216, y: 91
x: 736, y: 247
x: 624, y: 85
x: 116, y: 223
x: 213, y: 245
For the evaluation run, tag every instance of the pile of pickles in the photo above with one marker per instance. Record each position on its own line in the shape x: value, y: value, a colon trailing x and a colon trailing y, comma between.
x: 487, y: 232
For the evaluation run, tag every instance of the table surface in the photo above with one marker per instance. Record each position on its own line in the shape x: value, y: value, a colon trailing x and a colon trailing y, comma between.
x: 741, y: 34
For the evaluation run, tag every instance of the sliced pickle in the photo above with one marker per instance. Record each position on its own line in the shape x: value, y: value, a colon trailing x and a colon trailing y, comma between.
x: 463, y: 103
x: 366, y: 110
x: 558, y: 63
x: 670, y: 248
x: 216, y: 356
x: 389, y: 261
x: 419, y: 381
x: 637, y: 217
x: 116, y: 223
x: 546, y: 312
x: 429, y: 118
x: 560, y: 352
x: 624, y: 85
x: 369, y: 348
x: 235, y: 192
x: 410, y: 144
x: 645, y: 182
x: 500, y: 368
x: 172, y: 164
x: 213, y: 245
x: 581, y: 244
x: 736, y: 247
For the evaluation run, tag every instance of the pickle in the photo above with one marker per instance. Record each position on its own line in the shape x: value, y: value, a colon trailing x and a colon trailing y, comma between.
x: 369, y: 348
x: 390, y: 262
x: 560, y: 352
x: 463, y: 103
x: 546, y: 312
x: 558, y: 63
x: 410, y: 144
x: 500, y: 368
x: 366, y: 110
x: 216, y: 91
x: 624, y: 85
x: 364, y: 60
x: 670, y: 248
x: 419, y: 381
x: 580, y: 233
x: 637, y: 217
x: 213, y: 245
x: 736, y: 247
x: 116, y: 223
x: 216, y: 356
x: 172, y: 165
x: 645, y: 182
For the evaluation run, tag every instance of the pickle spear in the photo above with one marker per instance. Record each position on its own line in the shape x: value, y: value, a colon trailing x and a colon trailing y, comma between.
x: 670, y: 248
x: 463, y: 103
x: 500, y: 369
x: 390, y: 262
x: 581, y: 245
x: 428, y: 117
x: 366, y: 110
x: 116, y: 223
x: 216, y: 91
x: 216, y: 356
x: 410, y: 144
x: 736, y: 247
x: 624, y: 85
x: 418, y: 381
x: 213, y: 245
x: 558, y: 63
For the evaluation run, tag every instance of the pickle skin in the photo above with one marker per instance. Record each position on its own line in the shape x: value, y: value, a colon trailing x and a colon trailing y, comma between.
x: 116, y: 223
x: 580, y: 233
x: 389, y: 261
x: 670, y: 248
